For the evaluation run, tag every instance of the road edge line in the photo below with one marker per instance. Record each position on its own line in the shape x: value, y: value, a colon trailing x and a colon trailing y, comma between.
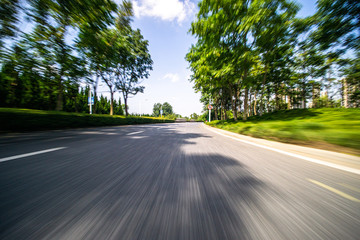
x: 313, y: 160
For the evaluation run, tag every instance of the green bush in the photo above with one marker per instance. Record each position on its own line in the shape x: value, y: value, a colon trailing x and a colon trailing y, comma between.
x: 27, y: 120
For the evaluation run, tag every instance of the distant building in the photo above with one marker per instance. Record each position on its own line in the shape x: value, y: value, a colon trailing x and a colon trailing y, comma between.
x: 350, y: 93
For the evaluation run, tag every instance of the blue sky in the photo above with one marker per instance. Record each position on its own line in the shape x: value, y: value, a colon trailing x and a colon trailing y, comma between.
x: 165, y: 24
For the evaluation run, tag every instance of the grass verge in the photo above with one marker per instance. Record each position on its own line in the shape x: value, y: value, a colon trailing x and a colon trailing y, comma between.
x: 13, y: 119
x: 331, y: 129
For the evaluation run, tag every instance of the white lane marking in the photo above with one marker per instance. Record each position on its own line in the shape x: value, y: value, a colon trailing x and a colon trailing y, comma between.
x: 134, y: 133
x: 30, y: 154
x: 313, y: 160
x: 138, y: 137
x: 91, y: 132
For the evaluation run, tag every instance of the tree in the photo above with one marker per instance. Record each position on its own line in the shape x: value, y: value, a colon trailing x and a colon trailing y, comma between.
x: 44, y: 68
x: 156, y: 109
x: 224, y: 43
x: 194, y: 116
x: 275, y: 34
x: 237, y: 42
x: 167, y: 109
x: 9, y: 18
x: 134, y: 65
x: 22, y: 84
x: 98, y: 45
x: 111, y: 42
x: 53, y: 18
x: 119, y: 108
x: 119, y: 56
x: 338, y: 24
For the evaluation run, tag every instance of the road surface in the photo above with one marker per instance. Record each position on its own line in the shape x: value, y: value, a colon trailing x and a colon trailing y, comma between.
x: 167, y: 181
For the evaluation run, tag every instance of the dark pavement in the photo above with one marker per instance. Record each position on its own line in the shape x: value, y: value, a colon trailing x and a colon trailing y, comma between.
x: 167, y: 181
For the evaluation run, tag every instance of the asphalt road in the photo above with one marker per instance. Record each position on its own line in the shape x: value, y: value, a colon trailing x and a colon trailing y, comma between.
x: 167, y: 181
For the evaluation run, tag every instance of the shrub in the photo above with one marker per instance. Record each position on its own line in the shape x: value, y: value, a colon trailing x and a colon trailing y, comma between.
x: 27, y: 120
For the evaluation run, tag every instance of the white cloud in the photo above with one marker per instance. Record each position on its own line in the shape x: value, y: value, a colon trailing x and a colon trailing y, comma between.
x: 167, y: 10
x: 172, y: 77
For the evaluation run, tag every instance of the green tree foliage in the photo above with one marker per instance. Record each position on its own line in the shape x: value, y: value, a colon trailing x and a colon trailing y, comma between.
x: 120, y: 56
x: 338, y: 24
x: 251, y: 57
x: 9, y: 16
x: 194, y: 116
x: 51, y: 37
x: 165, y: 107
x: 157, y: 109
x: 135, y: 66
x: 237, y: 42
x: 45, y: 67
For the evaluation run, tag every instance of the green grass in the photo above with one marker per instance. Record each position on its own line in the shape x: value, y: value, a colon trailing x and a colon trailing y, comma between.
x: 13, y: 119
x: 340, y: 127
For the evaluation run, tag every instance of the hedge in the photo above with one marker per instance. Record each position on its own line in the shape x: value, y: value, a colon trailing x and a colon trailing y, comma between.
x: 28, y: 120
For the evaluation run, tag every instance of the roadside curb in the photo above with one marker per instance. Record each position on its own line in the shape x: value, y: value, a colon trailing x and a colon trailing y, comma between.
x: 336, y: 160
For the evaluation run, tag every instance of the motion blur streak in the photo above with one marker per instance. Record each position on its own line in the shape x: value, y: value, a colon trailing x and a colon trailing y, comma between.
x: 175, y: 181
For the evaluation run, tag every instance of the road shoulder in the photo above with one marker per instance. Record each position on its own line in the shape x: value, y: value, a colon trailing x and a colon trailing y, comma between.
x: 340, y: 161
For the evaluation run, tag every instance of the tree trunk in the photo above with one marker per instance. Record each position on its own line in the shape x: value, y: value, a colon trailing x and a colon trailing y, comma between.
x: 95, y: 94
x: 60, y: 41
x: 222, y: 109
x: 246, y: 104
x: 262, y: 93
x: 277, y: 97
x: 246, y: 97
x: 255, y: 101
x: 303, y: 103
x: 111, y: 102
x: 59, y: 98
x: 120, y: 107
x: 237, y: 96
x: 95, y: 103
x: 249, y: 104
x: 345, y: 93
x: 288, y: 101
x: 125, y: 102
x: 233, y: 104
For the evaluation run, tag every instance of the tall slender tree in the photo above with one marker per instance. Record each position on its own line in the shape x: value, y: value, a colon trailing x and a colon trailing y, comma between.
x: 134, y: 64
x: 54, y: 18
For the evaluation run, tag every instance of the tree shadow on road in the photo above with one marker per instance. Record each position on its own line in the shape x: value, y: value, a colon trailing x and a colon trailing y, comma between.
x: 138, y: 192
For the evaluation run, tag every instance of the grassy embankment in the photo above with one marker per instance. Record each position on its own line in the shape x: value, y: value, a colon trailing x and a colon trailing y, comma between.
x: 12, y: 119
x: 332, y: 129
